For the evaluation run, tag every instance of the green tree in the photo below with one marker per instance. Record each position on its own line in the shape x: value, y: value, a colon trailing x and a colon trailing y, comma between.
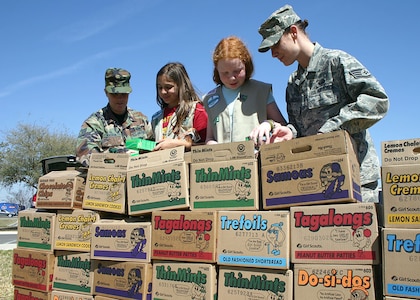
x: 23, y: 148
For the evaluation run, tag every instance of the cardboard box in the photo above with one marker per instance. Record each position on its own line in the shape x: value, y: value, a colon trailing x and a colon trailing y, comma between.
x: 36, y: 230
x: 32, y: 269
x: 25, y: 294
x: 73, y: 272
x: 159, y: 182
x: 339, y: 234
x: 106, y: 182
x: 401, y: 262
x: 122, y: 280
x: 400, y: 183
x: 121, y: 240
x: 255, y: 284
x: 331, y: 282
x: 60, y: 295
x: 184, y: 236
x: 254, y: 239
x: 61, y: 190
x: 184, y: 281
x: 316, y: 169
x: 73, y: 230
x: 224, y: 177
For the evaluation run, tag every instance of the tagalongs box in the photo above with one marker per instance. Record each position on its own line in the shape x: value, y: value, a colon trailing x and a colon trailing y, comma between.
x: 184, y: 236
x: 345, y: 233
x: 32, y: 269
x: 315, y: 169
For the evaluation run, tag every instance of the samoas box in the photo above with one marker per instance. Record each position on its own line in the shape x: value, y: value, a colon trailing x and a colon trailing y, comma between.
x: 318, y: 169
x: 121, y: 240
x: 184, y: 236
x: 254, y: 239
x: 122, y: 280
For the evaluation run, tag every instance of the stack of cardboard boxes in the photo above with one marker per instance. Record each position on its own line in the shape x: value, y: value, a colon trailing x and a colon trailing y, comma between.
x: 401, y: 232
x: 215, y: 222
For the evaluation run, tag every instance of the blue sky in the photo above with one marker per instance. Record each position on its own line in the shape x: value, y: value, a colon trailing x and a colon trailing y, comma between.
x: 55, y: 53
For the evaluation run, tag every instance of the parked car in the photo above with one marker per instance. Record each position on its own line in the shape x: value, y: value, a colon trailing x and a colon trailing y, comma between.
x: 9, y: 209
x: 56, y: 163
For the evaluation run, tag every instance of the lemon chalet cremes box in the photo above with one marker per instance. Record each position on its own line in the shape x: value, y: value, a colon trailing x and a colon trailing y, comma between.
x: 310, y: 170
x: 401, y: 183
x: 224, y: 177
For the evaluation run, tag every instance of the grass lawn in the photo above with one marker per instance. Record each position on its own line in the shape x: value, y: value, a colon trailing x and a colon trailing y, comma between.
x: 6, y: 287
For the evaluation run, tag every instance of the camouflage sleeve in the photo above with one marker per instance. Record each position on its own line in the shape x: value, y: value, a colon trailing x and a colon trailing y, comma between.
x: 89, y: 139
x: 368, y: 101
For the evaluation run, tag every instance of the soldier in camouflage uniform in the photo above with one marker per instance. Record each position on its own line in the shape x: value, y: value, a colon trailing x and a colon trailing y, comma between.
x: 330, y: 90
x: 107, y: 129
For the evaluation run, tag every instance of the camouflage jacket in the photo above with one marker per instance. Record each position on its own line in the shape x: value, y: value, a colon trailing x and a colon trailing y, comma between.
x: 101, y: 132
x: 337, y: 92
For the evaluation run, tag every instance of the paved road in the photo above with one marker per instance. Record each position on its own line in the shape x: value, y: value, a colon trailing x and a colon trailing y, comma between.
x: 8, y: 239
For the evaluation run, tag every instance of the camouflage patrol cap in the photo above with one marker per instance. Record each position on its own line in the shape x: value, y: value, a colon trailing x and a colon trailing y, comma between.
x: 273, y: 28
x: 117, y: 81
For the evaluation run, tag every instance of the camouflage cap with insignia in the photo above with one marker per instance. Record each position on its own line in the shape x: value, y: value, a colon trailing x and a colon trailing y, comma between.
x: 117, y: 81
x: 273, y: 28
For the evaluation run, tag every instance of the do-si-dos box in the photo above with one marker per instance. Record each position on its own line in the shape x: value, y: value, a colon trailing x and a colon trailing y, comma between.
x: 121, y: 240
x: 254, y: 283
x: 73, y: 272
x: 61, y: 190
x: 73, y: 229
x: 36, y: 230
x: 254, y: 239
x: 401, y: 183
x: 310, y: 170
x: 158, y: 182
x: 122, y: 280
x: 345, y: 233
x: 33, y: 269
x: 61, y: 295
x: 106, y: 182
x: 224, y: 177
x: 184, y: 281
x: 184, y: 236
x: 331, y: 282
x: 401, y: 262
